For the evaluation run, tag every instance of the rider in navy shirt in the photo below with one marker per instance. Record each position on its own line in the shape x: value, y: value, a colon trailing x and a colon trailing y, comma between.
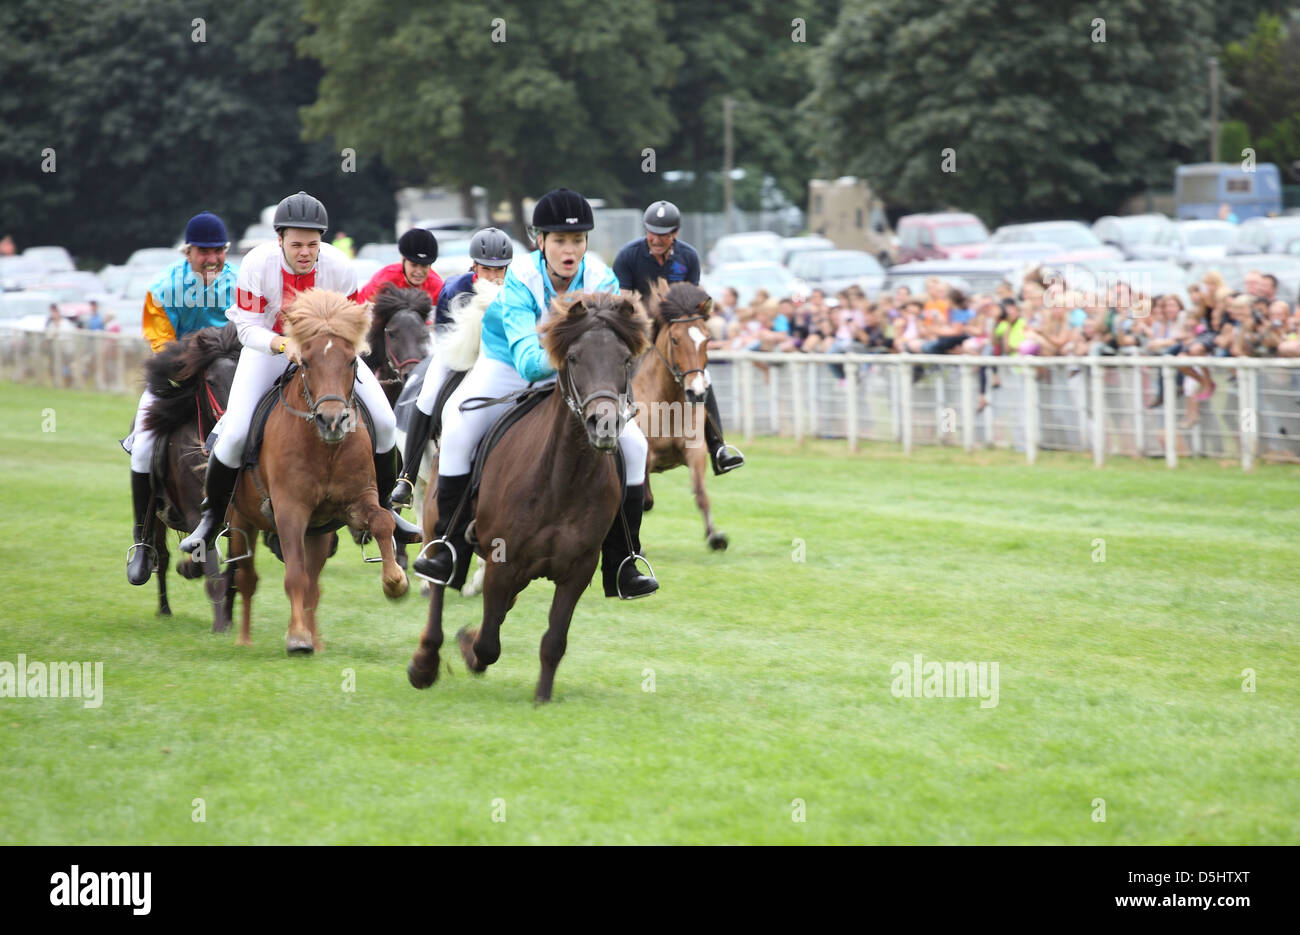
x: 660, y: 255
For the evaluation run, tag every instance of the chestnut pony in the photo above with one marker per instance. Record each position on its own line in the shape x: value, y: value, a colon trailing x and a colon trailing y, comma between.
x: 551, y: 488
x: 669, y: 389
x: 316, y: 465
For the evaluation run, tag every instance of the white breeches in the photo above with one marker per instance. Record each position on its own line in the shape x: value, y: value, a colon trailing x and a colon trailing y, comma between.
x: 257, y: 372
x: 461, y: 431
x: 141, y: 441
x: 433, y: 378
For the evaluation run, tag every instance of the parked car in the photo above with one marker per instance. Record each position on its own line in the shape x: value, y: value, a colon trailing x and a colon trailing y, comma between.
x: 1150, y: 278
x: 385, y: 253
x: 1076, y: 241
x: 833, y: 270
x: 87, y: 285
x: 970, y: 276
x: 1265, y: 235
x: 1132, y: 233
x: 17, y: 272
x: 941, y: 236
x: 751, y: 247
x: 254, y: 235
x: 51, y: 259
x: 793, y: 246
x: 747, y: 278
x: 448, y: 225
x: 15, y: 306
x: 113, y: 278
x: 1185, y: 242
x: 155, y: 258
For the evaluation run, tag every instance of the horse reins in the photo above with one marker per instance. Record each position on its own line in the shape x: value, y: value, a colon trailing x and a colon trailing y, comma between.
x: 218, y: 411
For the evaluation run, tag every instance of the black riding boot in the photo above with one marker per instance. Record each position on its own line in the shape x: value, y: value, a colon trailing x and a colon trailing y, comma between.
x: 404, y: 533
x: 218, y: 487
x: 618, y: 571
x: 437, y: 563
x: 417, y: 439
x: 720, y: 453
x: 139, y: 563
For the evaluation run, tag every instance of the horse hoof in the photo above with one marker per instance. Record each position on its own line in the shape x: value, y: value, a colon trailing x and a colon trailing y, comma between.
x: 397, y: 587
x: 220, y: 626
x: 648, y: 505
x: 466, y: 643
x: 164, y: 611
x: 301, y: 645
x: 421, y: 677
x: 718, y: 542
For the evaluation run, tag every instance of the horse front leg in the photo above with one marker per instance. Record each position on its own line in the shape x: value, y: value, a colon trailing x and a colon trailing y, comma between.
x: 316, y: 550
x: 697, y: 459
x: 218, y: 586
x: 422, y: 671
x: 164, y: 559
x: 381, y: 525
x: 481, y: 646
x: 291, y: 525
x: 556, y: 638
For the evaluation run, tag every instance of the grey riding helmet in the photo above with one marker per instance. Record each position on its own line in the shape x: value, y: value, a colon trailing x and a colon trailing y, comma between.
x: 662, y: 217
x: 491, y: 247
x: 303, y: 211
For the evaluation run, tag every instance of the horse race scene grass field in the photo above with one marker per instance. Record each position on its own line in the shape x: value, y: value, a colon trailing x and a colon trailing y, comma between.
x: 942, y: 648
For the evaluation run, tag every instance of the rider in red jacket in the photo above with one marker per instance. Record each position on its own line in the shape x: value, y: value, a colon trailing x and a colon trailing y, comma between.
x: 419, y: 248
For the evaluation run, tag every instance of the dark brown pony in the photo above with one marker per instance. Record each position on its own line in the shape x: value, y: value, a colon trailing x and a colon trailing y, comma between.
x: 190, y: 381
x: 316, y: 467
x: 669, y: 390
x: 398, y: 337
x: 550, y: 488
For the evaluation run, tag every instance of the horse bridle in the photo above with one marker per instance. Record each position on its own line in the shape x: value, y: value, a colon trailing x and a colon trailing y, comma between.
x: 313, y: 405
x: 218, y: 411
x: 678, y: 375
x: 577, y: 404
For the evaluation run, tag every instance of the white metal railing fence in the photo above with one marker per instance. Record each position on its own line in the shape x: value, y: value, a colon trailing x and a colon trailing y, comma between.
x: 1097, y: 404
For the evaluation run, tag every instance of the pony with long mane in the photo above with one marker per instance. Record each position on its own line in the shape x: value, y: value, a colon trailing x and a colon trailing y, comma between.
x: 315, y: 471
x: 670, y: 387
x: 550, y: 489
x: 190, y: 381
x: 398, y: 336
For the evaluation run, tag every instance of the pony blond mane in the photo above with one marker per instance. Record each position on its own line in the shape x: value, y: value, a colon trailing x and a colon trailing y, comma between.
x: 319, y: 312
x: 459, y: 342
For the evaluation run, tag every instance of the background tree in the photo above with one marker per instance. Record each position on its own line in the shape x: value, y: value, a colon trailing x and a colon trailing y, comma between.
x: 1264, y: 72
x: 1042, y: 120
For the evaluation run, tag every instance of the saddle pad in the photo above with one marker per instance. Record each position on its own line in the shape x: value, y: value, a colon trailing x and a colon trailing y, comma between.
x: 524, y: 403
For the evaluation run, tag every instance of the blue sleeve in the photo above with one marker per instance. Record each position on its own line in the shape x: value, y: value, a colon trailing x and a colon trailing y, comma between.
x: 693, y: 268
x: 519, y: 317
x: 623, y: 269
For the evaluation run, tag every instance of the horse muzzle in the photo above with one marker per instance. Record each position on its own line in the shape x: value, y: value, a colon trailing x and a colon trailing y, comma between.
x: 604, y: 425
x: 335, y: 427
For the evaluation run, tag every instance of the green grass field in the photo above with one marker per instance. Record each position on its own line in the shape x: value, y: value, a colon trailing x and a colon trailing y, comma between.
x: 1119, y: 679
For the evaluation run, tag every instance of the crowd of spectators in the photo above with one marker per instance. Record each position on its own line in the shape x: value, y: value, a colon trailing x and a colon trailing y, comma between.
x: 1038, y: 319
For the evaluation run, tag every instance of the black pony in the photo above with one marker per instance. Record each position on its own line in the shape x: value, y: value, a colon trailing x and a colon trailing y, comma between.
x: 399, y: 336
x: 190, y: 380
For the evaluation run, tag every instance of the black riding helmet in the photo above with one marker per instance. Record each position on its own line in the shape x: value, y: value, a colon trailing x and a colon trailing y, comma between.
x: 662, y: 217
x: 562, y: 210
x: 303, y: 211
x: 492, y: 247
x: 419, y: 246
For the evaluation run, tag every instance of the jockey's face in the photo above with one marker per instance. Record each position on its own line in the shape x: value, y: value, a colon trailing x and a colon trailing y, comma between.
x: 564, y: 250
x: 496, y: 274
x: 301, y: 248
x: 415, y: 273
x: 660, y: 244
x: 206, y: 261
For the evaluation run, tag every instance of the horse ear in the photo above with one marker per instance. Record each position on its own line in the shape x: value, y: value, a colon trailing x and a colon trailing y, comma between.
x: 569, y: 305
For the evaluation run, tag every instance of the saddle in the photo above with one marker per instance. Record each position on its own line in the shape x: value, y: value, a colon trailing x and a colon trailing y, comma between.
x: 406, y: 401
x: 523, y: 402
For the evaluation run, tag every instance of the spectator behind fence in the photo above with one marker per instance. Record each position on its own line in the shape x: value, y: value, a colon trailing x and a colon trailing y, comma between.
x: 94, y: 321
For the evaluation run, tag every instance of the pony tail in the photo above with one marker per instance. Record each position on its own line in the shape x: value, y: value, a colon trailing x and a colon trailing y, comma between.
x: 459, y: 343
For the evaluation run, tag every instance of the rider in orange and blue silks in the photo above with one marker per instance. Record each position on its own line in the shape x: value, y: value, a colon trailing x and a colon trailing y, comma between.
x: 191, y: 294
x: 510, y: 359
x: 269, y: 278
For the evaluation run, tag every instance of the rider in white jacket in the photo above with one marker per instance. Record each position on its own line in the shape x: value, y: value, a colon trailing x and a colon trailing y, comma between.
x: 269, y: 278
